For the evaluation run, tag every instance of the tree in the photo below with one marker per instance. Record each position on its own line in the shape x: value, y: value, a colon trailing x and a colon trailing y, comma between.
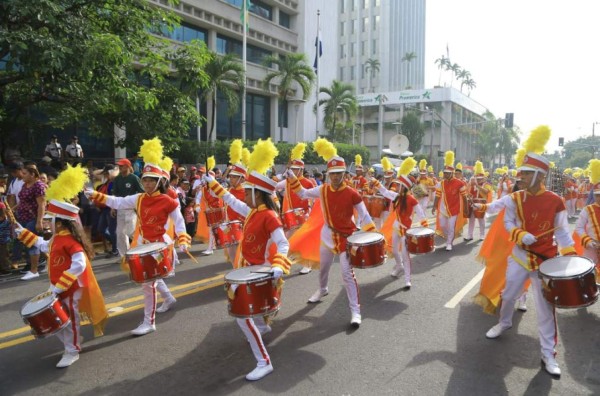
x: 372, y: 68
x: 340, y: 104
x: 292, y: 72
x: 226, y: 75
x: 408, y: 57
x: 414, y: 130
x: 455, y: 69
x: 462, y: 76
x: 470, y: 83
x: 442, y: 64
x: 97, y: 63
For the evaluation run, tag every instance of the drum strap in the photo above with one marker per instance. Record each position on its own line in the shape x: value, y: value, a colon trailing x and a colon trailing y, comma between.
x: 339, y: 232
x: 537, y: 255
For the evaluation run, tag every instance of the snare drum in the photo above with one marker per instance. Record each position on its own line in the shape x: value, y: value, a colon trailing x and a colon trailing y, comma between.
x: 479, y: 214
x: 46, y: 314
x: 251, y: 292
x: 419, y: 240
x: 569, y: 281
x: 293, y: 219
x: 375, y: 205
x: 215, y: 216
x: 227, y: 234
x: 366, y: 249
x: 150, y: 261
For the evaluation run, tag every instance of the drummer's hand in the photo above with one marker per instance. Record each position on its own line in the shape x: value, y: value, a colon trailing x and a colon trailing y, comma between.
x: 277, y: 272
x: 54, y: 290
x: 183, y: 248
x: 593, y: 245
x: 88, y: 192
x: 477, y: 206
x: 290, y: 174
x: 208, y: 179
x: 19, y: 228
x: 529, y: 239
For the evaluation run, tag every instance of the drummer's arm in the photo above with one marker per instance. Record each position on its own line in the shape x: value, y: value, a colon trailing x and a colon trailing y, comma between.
x: 281, y: 260
x: 29, y: 239
x: 421, y: 216
x: 128, y: 202
x: 183, y: 238
x: 364, y: 219
x: 302, y: 192
x: 78, y: 263
x: 562, y: 234
x: 281, y: 185
x: 384, y: 191
x: 229, y: 199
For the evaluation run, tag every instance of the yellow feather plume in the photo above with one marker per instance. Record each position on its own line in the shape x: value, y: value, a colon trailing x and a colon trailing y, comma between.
x: 595, y: 171
x: 210, y: 163
x: 235, y: 151
x: 245, y: 156
x: 263, y: 156
x: 386, y: 164
x: 357, y: 159
x: 423, y: 164
x: 500, y: 171
x: 486, y: 173
x: 576, y: 175
x: 536, y: 142
x: 441, y: 174
x: 68, y: 184
x: 298, y: 151
x: 324, y: 148
x: 505, y: 168
x: 430, y: 168
x: 513, y: 172
x: 568, y: 171
x: 552, y: 165
x: 166, y: 164
x: 151, y: 150
x: 478, y: 168
x: 459, y: 166
x: 407, y: 166
x: 449, y: 158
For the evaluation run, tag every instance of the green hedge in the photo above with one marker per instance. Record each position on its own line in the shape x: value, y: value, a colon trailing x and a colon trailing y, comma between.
x: 194, y: 152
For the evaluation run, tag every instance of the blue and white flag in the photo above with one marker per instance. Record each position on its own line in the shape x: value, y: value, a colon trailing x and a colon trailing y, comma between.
x: 318, y: 50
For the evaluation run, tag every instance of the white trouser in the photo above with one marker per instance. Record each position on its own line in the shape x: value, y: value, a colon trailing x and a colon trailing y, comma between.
x: 401, y: 255
x: 516, y: 276
x: 252, y: 328
x: 423, y: 202
x: 149, y: 289
x: 126, y: 220
x: 571, y: 207
x: 379, y: 221
x: 71, y: 334
x: 472, y: 226
x: 447, y: 225
x: 211, y: 240
x: 231, y: 250
x: 326, y: 257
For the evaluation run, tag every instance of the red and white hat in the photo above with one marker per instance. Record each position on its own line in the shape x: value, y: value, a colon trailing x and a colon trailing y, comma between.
x: 152, y: 170
x: 62, y: 210
x: 296, y: 164
x: 596, y: 188
x: 389, y: 173
x: 407, y: 181
x: 358, y: 167
x: 261, y: 182
x: 535, y: 162
x: 238, y: 170
x: 336, y: 164
x: 448, y: 168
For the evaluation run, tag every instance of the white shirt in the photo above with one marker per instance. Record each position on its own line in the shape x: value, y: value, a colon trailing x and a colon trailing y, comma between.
x: 74, y: 150
x: 54, y: 149
x: 15, y: 187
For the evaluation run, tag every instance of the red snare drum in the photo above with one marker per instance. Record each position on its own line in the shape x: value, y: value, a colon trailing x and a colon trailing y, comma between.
x: 569, y: 281
x: 375, y: 205
x: 419, y: 240
x: 251, y: 292
x: 366, y: 249
x: 293, y: 219
x: 149, y: 261
x: 215, y: 216
x: 227, y: 234
x: 479, y: 214
x: 46, y: 315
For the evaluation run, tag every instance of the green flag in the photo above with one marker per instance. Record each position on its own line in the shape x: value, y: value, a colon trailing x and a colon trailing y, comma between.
x: 244, y: 17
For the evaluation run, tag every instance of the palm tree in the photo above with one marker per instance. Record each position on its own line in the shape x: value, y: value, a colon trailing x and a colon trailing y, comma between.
x: 340, y: 103
x: 372, y: 67
x: 227, y: 77
x: 470, y: 83
x: 463, y: 75
x: 408, y: 57
x: 442, y: 63
x: 292, y: 71
x: 455, y: 69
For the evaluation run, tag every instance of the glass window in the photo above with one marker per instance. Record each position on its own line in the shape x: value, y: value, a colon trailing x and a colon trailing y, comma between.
x: 353, y: 25
x: 377, y: 3
x: 282, y: 113
x: 185, y: 32
x: 352, y: 46
x: 342, y: 73
x: 365, y: 24
x: 353, y: 5
x: 352, y: 72
x: 284, y: 19
x: 342, y: 25
x: 374, y: 47
x: 365, y: 3
x: 375, y: 22
x: 363, y: 46
x: 342, y: 6
x: 342, y: 51
x: 226, y: 45
x: 257, y: 118
x: 261, y: 9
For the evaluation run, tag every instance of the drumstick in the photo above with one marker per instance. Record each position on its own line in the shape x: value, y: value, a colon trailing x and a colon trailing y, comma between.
x: 545, y: 232
x: 192, y: 257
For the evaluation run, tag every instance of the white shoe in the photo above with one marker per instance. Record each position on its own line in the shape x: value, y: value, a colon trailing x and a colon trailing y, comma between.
x: 521, y: 306
x: 143, y: 329
x: 319, y: 294
x: 495, y: 331
x: 166, y: 305
x: 305, y: 270
x: 551, y: 366
x: 43, y: 270
x: 30, y: 275
x: 396, y: 272
x: 265, y: 330
x: 356, y: 320
x: 259, y: 372
x: 448, y: 247
x: 67, y: 360
x: 206, y: 252
x: 407, y: 285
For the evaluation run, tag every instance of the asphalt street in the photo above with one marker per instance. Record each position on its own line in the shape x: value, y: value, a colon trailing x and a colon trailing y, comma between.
x: 429, y: 340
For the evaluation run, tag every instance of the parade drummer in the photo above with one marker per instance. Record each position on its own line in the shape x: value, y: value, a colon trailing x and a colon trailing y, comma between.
x: 155, y: 209
x: 426, y: 184
x: 479, y: 191
x: 69, y: 270
x: 212, y: 202
x: 588, y: 223
x: 261, y: 224
x: 390, y: 184
x: 504, y: 184
x: 236, y: 174
x: 404, y: 205
x: 359, y: 182
x: 338, y: 203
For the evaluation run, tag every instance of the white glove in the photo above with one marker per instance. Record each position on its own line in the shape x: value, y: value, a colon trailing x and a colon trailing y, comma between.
x: 277, y: 272
x: 290, y: 174
x: 477, y: 206
x: 88, y: 192
x: 183, y: 248
x: 19, y: 229
x: 54, y: 290
x: 208, y: 179
x: 593, y: 245
x: 529, y: 239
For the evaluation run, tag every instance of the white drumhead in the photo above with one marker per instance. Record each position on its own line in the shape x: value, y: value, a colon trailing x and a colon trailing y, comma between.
x: 566, y: 266
x: 37, y: 304
x: 147, y: 248
x: 364, y: 238
x: 420, y: 231
x: 249, y: 274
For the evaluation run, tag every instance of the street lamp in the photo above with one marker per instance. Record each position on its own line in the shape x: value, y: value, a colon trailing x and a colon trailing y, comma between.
x: 297, y: 102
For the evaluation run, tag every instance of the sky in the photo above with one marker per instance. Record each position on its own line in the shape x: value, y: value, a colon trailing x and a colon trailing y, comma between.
x: 537, y: 59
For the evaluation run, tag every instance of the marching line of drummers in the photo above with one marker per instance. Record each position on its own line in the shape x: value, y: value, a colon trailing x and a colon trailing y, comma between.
x: 361, y: 220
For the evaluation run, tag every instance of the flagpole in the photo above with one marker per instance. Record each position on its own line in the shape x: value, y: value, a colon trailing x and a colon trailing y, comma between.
x: 318, y: 47
x: 244, y: 41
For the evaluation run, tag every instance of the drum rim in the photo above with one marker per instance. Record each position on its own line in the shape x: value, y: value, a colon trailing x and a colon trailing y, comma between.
x: 381, y: 237
x: 431, y: 232
x: 574, y: 276
x: 28, y: 315
x: 265, y: 277
x: 131, y: 251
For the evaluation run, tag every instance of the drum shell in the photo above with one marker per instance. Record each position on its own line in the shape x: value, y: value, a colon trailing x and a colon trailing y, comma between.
x: 366, y: 255
x: 575, y: 291
x: 293, y: 219
x: 215, y: 216
x: 253, y: 298
x: 144, y: 267
x: 419, y: 244
x: 227, y: 234
x: 376, y: 205
x: 48, y: 320
x: 479, y: 214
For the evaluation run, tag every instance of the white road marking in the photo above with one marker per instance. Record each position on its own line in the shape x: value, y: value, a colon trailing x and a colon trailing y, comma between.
x: 463, y: 292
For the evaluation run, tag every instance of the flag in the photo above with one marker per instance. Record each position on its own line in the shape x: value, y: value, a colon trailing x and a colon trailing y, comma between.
x: 318, y: 50
x: 244, y: 17
x: 447, y: 51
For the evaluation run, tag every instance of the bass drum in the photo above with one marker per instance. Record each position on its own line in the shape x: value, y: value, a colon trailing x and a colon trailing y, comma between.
x: 569, y: 281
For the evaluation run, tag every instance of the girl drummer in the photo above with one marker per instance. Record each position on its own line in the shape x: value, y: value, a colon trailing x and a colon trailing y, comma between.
x: 403, y: 205
x: 261, y: 224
